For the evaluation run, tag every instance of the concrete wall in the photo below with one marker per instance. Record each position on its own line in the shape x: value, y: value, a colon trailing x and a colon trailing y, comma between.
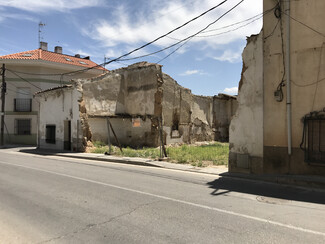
x: 246, y: 127
x: 56, y: 107
x: 307, y: 56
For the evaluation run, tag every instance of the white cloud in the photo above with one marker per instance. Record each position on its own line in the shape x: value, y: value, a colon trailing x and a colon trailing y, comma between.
x: 164, y: 15
x: 44, y: 5
x: 229, y: 56
x: 192, y: 72
x: 231, y: 90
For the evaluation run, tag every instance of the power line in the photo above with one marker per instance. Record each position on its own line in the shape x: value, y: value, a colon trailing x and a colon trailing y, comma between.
x: 24, y: 79
x: 155, y: 40
x: 187, y: 38
x: 151, y: 42
x: 307, y: 26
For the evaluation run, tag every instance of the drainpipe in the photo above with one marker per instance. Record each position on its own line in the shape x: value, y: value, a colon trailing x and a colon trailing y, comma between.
x: 287, y: 68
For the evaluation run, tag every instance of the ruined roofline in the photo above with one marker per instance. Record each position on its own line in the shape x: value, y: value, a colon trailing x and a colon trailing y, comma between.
x: 53, y: 89
x: 138, y: 65
x: 223, y: 95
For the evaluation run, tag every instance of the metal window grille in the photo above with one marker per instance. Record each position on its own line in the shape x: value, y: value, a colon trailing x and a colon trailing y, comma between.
x: 50, y: 134
x: 314, y: 140
x: 23, y: 105
x: 22, y: 126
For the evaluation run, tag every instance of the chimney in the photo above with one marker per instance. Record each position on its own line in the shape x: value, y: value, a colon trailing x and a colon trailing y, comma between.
x: 58, y: 49
x: 77, y: 55
x: 43, y: 46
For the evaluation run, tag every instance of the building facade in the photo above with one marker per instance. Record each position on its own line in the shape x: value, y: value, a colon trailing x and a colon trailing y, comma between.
x: 279, y: 127
x: 144, y: 106
x: 29, y: 72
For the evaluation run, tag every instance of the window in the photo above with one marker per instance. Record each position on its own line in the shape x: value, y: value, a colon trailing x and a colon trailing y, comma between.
x: 50, y: 134
x: 26, y: 55
x: 22, y: 127
x: 23, y: 101
x: 23, y: 104
x: 82, y: 62
x: 314, y: 140
x: 68, y: 59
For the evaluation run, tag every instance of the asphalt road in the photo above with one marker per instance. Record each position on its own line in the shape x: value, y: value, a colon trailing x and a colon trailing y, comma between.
x: 47, y: 199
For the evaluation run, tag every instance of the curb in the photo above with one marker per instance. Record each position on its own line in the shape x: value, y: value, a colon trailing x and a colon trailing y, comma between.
x: 111, y: 160
x: 314, y: 183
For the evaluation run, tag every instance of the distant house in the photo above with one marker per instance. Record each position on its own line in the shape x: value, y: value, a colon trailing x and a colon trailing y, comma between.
x: 29, y: 72
x: 144, y: 106
x: 279, y: 127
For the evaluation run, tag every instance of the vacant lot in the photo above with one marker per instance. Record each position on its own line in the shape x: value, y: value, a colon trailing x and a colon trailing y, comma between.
x: 201, y: 155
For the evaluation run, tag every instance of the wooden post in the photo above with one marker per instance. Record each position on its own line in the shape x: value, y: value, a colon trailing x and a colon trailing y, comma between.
x: 109, y: 137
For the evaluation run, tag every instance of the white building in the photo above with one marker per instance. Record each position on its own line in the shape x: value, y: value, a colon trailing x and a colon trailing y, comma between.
x: 30, y: 72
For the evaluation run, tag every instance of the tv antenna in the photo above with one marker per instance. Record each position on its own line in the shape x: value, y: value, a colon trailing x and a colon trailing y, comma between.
x: 40, y: 25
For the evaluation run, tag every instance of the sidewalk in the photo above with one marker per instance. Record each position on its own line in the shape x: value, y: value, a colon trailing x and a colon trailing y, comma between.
x: 146, y: 162
x: 311, y: 182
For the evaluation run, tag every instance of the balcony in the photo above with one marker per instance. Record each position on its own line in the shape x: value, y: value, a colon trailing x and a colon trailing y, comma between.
x: 23, y: 105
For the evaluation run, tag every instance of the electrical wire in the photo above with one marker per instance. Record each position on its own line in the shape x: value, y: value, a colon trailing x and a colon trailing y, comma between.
x: 24, y: 79
x: 147, y: 44
x: 307, y: 26
x: 153, y: 41
x: 237, y: 28
x: 187, y: 38
x: 272, y: 32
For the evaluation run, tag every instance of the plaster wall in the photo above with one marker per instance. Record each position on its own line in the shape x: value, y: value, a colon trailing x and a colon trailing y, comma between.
x: 104, y: 95
x: 307, y: 69
x: 246, y: 127
x: 35, y: 72
x: 63, y: 106
x: 127, y: 135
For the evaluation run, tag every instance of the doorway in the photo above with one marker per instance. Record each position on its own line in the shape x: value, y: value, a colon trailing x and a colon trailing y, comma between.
x: 67, y: 135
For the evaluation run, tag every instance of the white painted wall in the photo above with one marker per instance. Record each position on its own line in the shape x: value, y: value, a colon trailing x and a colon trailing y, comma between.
x: 246, y: 127
x: 57, y: 106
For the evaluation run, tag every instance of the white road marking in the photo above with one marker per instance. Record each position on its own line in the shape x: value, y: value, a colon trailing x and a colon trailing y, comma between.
x: 174, y: 200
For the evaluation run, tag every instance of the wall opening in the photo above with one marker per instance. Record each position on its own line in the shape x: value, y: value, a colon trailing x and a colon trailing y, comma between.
x: 50, y: 134
x: 67, y: 135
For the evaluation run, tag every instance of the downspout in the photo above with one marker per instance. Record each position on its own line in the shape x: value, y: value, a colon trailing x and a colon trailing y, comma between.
x: 287, y: 68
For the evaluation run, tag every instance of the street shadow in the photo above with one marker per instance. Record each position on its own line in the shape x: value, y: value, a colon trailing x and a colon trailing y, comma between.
x: 265, y: 191
x: 43, y: 152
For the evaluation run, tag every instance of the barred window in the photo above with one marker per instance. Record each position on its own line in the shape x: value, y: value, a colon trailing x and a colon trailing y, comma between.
x: 315, y: 140
x: 22, y: 126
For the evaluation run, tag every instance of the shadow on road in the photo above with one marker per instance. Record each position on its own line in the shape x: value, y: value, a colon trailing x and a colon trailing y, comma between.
x: 269, y: 192
x: 42, y: 152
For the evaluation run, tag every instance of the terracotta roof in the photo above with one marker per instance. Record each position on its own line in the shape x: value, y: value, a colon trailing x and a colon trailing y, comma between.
x: 39, y: 54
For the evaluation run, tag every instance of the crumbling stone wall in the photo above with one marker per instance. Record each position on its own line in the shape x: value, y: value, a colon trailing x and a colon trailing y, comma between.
x: 246, y: 128
x: 142, y: 91
x: 176, y: 111
x: 224, y: 107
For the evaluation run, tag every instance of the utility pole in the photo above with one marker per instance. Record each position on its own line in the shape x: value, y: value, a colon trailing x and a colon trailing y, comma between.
x: 3, y: 94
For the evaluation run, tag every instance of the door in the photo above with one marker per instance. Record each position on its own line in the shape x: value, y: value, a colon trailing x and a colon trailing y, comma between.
x: 67, y: 135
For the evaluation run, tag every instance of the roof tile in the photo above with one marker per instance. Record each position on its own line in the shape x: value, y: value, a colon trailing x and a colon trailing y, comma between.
x: 39, y: 54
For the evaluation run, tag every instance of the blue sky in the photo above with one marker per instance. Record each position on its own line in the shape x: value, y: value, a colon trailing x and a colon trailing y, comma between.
x: 208, y: 64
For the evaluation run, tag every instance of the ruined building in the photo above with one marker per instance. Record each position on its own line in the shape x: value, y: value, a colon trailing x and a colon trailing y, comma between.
x: 143, y: 105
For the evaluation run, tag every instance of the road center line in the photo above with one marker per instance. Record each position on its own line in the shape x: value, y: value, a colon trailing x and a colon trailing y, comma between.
x: 173, y: 200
